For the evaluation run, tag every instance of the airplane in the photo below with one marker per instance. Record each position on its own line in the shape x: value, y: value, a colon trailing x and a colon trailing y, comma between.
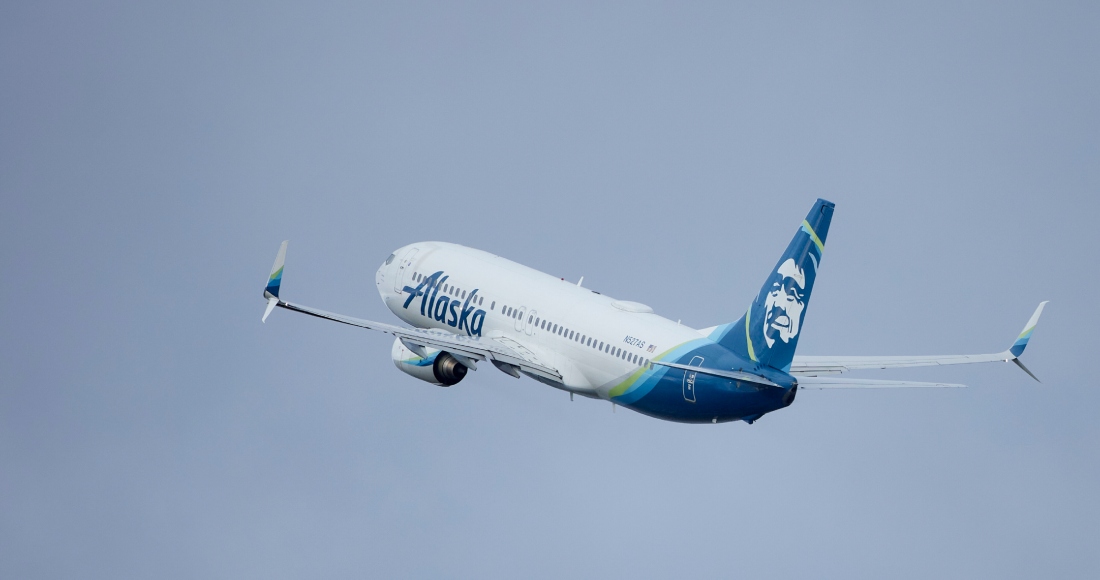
x: 465, y: 306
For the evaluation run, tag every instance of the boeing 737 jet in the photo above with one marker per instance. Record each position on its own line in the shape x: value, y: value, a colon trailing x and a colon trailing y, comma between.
x: 465, y: 306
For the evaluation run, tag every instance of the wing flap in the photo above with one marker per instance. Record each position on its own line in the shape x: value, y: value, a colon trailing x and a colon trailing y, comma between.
x: 846, y: 383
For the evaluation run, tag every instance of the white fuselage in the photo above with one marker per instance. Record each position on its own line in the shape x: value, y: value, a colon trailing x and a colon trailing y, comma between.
x: 593, y: 340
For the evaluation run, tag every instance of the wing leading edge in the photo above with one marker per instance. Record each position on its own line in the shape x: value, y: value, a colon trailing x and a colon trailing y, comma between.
x: 471, y: 348
x: 816, y: 366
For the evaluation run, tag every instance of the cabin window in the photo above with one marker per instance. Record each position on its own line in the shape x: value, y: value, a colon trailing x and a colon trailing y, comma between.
x: 389, y: 260
x: 493, y: 305
x: 536, y: 322
x: 529, y: 319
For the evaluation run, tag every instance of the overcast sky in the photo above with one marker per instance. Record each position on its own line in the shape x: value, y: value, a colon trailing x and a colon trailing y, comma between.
x: 152, y: 158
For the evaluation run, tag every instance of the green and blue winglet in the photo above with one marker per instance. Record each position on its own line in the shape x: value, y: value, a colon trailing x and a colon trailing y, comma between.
x: 1018, y: 347
x: 271, y: 291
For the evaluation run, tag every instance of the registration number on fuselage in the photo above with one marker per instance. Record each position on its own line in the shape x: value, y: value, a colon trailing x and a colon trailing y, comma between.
x: 634, y: 342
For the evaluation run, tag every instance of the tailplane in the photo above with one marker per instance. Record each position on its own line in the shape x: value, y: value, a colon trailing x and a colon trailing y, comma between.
x: 768, y: 333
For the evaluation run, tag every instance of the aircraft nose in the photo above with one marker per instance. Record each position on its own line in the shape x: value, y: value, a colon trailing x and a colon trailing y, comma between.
x: 380, y: 273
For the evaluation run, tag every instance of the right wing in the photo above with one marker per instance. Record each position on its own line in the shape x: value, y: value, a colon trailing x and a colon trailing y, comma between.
x: 845, y: 383
x: 813, y: 366
x: 509, y: 359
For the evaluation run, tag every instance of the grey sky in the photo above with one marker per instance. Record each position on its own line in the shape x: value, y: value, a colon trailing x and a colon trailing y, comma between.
x: 152, y: 158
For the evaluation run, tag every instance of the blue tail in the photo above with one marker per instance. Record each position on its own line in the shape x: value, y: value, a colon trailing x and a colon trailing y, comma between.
x: 768, y: 333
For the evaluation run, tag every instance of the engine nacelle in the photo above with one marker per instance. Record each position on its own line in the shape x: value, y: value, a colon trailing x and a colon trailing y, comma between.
x: 438, y: 368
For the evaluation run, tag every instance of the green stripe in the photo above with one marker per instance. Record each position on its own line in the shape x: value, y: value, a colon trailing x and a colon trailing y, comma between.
x: 748, y: 339
x: 813, y: 234
x: 276, y: 274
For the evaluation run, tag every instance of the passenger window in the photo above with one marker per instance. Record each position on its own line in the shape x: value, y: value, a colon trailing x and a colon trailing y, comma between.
x: 529, y: 318
x: 463, y: 294
x: 493, y: 305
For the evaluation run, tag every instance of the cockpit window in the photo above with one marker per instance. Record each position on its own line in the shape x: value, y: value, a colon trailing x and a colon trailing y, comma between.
x: 389, y: 260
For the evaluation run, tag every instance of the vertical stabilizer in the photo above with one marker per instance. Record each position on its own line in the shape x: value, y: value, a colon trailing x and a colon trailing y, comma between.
x: 768, y: 333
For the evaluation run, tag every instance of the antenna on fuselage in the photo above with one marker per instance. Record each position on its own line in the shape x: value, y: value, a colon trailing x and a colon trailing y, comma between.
x: 579, y: 282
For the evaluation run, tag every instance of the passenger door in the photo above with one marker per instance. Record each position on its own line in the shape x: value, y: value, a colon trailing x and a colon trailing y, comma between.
x: 689, y: 379
x: 403, y: 270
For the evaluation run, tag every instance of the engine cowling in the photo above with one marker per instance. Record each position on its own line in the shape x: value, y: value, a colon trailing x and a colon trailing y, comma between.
x: 438, y: 368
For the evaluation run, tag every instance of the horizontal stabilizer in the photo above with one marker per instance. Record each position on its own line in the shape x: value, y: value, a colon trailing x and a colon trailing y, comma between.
x: 846, y: 383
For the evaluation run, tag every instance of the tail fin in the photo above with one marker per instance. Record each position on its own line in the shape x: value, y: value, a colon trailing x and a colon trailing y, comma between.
x: 768, y: 333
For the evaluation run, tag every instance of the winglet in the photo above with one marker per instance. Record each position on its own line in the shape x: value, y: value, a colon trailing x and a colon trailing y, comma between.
x: 1018, y: 347
x: 276, y: 277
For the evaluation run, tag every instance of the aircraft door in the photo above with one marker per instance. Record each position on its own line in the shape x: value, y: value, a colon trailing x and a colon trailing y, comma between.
x: 403, y: 270
x: 521, y: 318
x: 530, y: 322
x: 689, y: 379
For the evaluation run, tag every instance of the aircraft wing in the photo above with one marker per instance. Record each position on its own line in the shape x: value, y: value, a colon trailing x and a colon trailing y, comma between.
x: 845, y: 383
x: 813, y: 366
x: 510, y: 359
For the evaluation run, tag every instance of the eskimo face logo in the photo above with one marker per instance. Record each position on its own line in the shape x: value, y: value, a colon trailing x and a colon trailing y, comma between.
x: 784, y: 303
x: 445, y: 309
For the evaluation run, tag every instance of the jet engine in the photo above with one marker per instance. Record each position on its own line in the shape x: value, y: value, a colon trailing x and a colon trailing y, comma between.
x: 437, y: 367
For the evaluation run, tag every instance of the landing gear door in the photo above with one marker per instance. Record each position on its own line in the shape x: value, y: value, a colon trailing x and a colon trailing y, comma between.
x: 689, y: 379
x: 404, y: 270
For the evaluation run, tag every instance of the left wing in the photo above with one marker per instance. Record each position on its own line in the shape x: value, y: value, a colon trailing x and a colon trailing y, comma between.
x: 466, y: 349
x: 813, y: 366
